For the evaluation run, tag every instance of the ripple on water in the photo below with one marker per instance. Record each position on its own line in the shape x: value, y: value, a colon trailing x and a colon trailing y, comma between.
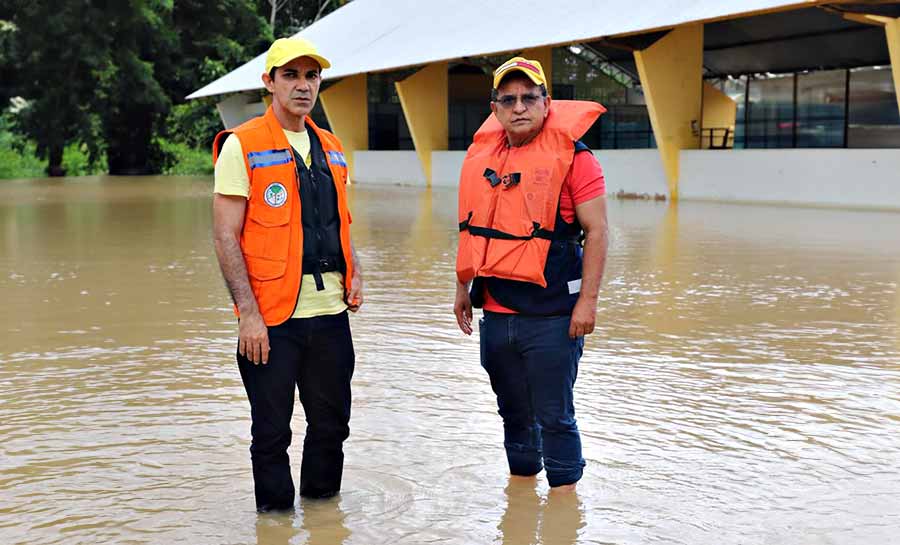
x: 743, y: 385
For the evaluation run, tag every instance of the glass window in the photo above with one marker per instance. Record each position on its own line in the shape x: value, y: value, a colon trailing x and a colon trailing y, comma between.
x: 581, y: 74
x: 622, y: 127
x: 581, y: 77
x: 821, y: 103
x: 771, y: 113
x: 469, y: 102
x: 874, y: 120
x: 387, y: 124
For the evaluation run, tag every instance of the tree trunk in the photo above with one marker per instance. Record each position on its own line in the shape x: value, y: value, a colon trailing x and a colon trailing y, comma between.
x: 55, y: 158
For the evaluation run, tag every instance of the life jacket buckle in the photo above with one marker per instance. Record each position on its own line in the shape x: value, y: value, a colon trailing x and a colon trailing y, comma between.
x: 492, y: 177
x: 512, y: 179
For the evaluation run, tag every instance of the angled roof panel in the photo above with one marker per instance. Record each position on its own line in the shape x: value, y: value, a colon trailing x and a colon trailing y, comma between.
x: 376, y: 35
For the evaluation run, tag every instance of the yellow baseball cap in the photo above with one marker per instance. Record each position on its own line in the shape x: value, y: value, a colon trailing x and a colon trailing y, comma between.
x: 284, y: 50
x: 530, y: 68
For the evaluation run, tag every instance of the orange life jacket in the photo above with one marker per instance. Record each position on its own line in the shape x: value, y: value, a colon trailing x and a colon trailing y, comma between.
x: 509, y: 196
x: 272, y: 237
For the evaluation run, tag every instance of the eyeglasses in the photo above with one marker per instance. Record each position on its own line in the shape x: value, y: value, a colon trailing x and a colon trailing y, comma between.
x: 509, y: 101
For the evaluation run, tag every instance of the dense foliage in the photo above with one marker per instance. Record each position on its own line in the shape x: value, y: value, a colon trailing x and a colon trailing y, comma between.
x: 105, y: 81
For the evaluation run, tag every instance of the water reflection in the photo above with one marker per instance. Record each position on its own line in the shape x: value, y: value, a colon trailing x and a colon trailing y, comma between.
x: 530, y: 519
x: 743, y: 385
x: 321, y: 522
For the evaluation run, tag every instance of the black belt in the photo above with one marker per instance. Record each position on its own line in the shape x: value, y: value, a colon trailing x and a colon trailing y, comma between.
x: 318, y: 266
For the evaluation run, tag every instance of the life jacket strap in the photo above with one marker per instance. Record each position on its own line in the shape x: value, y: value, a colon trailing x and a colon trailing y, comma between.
x: 487, y: 232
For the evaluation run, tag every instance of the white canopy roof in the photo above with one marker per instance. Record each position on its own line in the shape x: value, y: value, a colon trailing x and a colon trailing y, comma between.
x: 376, y: 35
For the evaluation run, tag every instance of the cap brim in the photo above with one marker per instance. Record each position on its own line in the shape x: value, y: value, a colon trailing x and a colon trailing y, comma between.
x: 323, y: 62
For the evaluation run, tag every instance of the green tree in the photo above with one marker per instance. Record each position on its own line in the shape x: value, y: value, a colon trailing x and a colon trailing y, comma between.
x: 131, y: 101
x: 214, y: 38
x: 8, y: 32
x: 59, y: 57
x: 288, y: 17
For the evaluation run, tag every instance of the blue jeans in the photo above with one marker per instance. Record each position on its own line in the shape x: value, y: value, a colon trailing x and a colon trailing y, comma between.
x: 532, y: 364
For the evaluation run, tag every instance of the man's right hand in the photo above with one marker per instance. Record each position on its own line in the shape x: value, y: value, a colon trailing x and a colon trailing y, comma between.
x: 463, y: 309
x: 253, y: 338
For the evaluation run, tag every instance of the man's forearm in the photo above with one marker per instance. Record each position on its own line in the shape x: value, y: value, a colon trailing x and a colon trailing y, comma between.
x: 594, y: 262
x: 234, y: 270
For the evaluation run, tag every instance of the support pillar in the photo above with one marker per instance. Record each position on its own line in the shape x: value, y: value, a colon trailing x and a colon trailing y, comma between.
x: 671, y: 72
x: 719, y: 112
x: 892, y: 29
x: 423, y: 97
x: 346, y: 106
x: 892, y: 33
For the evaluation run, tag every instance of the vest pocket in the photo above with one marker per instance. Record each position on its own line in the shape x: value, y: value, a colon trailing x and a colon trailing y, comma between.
x: 267, y: 237
x: 260, y: 268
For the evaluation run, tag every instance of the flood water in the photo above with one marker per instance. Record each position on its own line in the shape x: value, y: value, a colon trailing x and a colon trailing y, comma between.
x: 743, y: 386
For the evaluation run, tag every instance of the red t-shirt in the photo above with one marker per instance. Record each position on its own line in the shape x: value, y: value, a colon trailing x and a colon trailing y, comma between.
x: 584, y: 182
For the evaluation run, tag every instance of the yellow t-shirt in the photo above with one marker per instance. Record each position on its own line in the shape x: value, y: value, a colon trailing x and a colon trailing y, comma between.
x: 231, y: 179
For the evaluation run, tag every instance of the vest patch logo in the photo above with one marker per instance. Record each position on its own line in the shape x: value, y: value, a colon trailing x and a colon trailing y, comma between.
x: 276, y: 195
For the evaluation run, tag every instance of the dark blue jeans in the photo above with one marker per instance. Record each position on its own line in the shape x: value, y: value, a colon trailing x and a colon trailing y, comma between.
x: 532, y: 364
x: 315, y: 356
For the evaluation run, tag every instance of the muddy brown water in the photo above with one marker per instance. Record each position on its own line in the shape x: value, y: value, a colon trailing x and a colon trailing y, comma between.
x: 743, y: 385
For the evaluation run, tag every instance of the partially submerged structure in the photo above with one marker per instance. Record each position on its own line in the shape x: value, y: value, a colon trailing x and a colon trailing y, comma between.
x: 746, y: 100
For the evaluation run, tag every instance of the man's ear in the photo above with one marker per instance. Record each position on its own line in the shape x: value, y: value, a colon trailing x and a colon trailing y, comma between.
x: 267, y: 81
x: 494, y: 107
x: 547, y: 107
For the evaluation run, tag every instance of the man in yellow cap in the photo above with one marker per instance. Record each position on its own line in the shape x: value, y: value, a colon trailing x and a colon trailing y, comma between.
x: 282, y: 238
x: 530, y: 194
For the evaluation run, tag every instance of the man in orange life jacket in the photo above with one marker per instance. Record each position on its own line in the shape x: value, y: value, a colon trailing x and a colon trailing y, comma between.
x: 282, y: 237
x: 530, y: 193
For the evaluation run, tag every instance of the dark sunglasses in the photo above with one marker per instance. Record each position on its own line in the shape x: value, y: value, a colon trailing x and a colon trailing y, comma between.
x: 509, y: 101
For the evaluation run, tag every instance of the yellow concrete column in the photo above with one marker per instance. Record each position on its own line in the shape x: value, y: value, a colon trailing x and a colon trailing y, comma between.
x: 719, y: 112
x: 346, y: 106
x: 892, y: 28
x: 671, y: 72
x: 423, y: 97
x: 543, y: 55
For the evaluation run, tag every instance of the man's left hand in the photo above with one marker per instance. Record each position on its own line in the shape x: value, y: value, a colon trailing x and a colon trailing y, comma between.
x: 355, y: 299
x: 583, y: 317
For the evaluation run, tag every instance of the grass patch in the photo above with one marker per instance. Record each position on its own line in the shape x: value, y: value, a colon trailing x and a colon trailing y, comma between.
x: 185, y: 160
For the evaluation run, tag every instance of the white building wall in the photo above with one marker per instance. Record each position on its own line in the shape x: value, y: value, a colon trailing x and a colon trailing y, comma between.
x: 633, y: 171
x: 852, y: 178
x: 445, y: 168
x: 387, y: 168
x: 859, y: 178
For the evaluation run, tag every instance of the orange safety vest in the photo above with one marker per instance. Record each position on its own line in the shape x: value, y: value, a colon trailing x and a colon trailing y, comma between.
x: 272, y: 237
x: 509, y: 196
